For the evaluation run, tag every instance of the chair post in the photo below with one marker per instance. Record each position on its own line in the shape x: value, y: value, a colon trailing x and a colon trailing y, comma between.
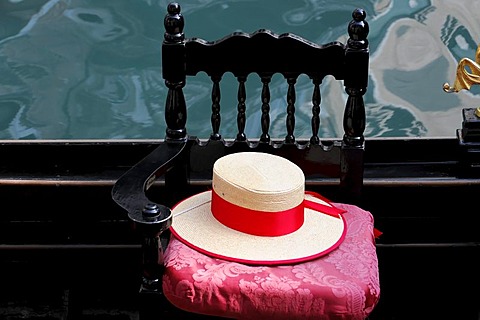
x: 356, y: 82
x: 173, y: 69
x: 150, y: 219
x: 152, y: 301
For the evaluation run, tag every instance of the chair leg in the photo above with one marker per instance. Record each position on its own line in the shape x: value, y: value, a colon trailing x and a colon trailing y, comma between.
x: 351, y: 179
x: 152, y: 303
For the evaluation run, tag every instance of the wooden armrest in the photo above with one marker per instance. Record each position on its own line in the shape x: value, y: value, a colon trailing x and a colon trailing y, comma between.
x: 129, y: 190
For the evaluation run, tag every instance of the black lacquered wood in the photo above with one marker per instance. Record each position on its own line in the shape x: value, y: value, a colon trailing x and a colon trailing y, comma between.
x: 290, y: 122
x: 316, y: 100
x: 151, y: 219
x: 216, y: 117
x: 260, y: 53
x: 265, y: 119
x: 356, y: 79
x: 242, y: 54
x: 174, y: 73
x: 175, y: 112
x: 241, y: 109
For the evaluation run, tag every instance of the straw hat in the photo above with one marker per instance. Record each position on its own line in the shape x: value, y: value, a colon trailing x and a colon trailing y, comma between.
x: 258, y: 213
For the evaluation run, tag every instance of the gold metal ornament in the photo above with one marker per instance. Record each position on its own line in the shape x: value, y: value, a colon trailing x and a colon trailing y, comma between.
x: 468, y: 74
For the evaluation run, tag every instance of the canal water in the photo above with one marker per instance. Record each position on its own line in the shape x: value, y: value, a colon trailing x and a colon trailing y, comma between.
x: 91, y: 69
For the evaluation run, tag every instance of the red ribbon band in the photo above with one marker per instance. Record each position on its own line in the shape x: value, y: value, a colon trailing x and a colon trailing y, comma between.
x: 263, y: 223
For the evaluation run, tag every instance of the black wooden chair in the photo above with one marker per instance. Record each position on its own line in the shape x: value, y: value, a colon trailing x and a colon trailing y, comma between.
x: 182, y: 164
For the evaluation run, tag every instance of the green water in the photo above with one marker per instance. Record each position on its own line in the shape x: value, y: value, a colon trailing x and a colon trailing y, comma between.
x: 84, y: 69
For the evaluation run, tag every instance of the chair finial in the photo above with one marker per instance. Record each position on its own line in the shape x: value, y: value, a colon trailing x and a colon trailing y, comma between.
x: 358, y: 29
x: 174, y: 23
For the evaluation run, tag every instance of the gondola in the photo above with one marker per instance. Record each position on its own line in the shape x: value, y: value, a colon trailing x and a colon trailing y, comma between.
x: 68, y: 251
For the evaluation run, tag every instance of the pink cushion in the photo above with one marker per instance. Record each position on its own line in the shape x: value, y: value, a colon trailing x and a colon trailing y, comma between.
x: 341, y: 285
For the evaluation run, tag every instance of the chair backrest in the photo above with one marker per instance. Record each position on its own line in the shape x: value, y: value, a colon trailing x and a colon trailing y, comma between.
x: 265, y: 53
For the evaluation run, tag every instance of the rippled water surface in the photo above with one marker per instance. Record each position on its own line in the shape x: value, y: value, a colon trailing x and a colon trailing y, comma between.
x: 88, y: 69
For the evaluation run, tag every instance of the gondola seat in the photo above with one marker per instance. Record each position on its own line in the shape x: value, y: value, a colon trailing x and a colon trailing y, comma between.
x: 342, y: 283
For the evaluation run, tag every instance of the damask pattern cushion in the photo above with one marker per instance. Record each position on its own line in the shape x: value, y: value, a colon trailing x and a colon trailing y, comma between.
x: 343, y: 284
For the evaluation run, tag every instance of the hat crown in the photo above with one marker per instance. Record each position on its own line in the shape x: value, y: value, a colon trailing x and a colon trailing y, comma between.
x: 259, y: 181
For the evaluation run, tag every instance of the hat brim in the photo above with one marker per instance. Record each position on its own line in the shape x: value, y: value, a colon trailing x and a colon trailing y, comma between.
x: 194, y: 225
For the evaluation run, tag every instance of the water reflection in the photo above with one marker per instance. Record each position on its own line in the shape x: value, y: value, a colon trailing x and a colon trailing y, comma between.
x: 82, y: 69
